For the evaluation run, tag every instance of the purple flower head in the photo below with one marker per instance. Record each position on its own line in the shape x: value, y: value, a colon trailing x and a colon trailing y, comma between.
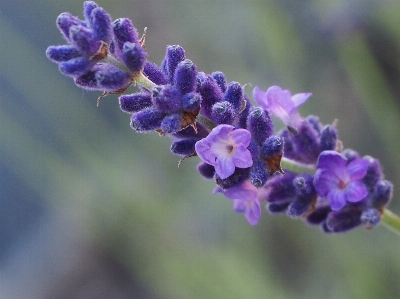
x: 281, y: 103
x: 338, y: 180
x: 225, y: 148
x: 245, y: 200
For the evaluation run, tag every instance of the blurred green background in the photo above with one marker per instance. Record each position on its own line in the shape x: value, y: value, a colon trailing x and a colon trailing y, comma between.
x: 90, y: 209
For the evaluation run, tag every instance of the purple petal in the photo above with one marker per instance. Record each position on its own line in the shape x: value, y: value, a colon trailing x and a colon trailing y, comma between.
x: 241, y: 136
x: 336, y: 199
x: 242, y: 158
x: 203, y: 150
x: 239, y: 206
x: 324, y: 182
x: 244, y: 192
x: 260, y: 97
x: 356, y: 191
x: 300, y: 98
x: 253, y: 212
x: 224, y: 167
x: 331, y: 160
x: 294, y: 119
x: 276, y: 96
x: 358, y: 168
x: 222, y: 130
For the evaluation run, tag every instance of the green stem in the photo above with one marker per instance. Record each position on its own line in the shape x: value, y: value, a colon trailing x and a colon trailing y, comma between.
x: 115, y: 62
x: 138, y: 77
x: 206, y: 122
x: 296, y: 167
x: 141, y: 79
x: 391, y: 221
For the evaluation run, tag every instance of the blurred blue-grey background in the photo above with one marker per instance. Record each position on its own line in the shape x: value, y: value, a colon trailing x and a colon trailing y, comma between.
x: 90, y: 209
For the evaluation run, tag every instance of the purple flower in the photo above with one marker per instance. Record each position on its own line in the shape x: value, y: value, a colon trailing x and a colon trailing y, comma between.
x: 245, y: 200
x: 281, y: 103
x: 225, y: 148
x: 338, y: 180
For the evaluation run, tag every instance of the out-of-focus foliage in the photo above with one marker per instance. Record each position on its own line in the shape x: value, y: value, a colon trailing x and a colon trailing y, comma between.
x: 123, y: 192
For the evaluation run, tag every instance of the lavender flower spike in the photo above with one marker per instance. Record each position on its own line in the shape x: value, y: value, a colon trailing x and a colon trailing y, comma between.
x: 245, y: 200
x: 281, y: 103
x: 338, y: 180
x: 225, y: 148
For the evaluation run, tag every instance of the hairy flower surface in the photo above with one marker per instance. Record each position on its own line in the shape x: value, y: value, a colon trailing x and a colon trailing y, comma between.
x: 338, y: 180
x: 281, y: 103
x: 225, y: 148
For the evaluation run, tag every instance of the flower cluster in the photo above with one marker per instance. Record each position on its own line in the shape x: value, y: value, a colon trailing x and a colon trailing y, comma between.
x: 302, y: 170
x: 101, y: 54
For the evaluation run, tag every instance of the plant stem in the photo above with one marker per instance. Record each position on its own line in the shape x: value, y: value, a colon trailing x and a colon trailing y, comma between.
x: 391, y: 221
x: 296, y: 167
x: 138, y: 77
x: 141, y: 79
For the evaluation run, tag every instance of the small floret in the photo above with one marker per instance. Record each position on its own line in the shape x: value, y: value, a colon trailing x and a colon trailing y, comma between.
x: 281, y: 103
x: 225, y: 148
x: 338, y: 180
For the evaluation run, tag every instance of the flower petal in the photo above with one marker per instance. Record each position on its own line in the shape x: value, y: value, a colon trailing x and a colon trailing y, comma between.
x: 253, y: 212
x: 276, y: 96
x: 355, y: 191
x: 358, y: 168
x: 242, y: 158
x: 336, y: 199
x: 241, y: 136
x: 244, y: 192
x: 300, y: 98
x: 324, y: 182
x: 224, y: 167
x: 331, y: 160
x: 239, y: 206
x: 203, y: 150
x: 260, y: 97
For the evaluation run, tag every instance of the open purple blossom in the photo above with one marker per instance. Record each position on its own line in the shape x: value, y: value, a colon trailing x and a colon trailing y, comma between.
x: 225, y: 148
x: 245, y: 200
x: 338, y: 180
x: 281, y: 103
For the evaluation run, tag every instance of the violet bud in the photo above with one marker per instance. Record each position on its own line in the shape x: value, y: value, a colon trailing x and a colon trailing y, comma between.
x: 146, y: 120
x: 185, y: 76
x: 260, y: 125
x: 134, y: 56
x: 220, y: 79
x: 166, y: 98
x: 135, y: 102
x: 184, y: 147
x: 100, y: 22
x: 111, y: 78
x: 171, y: 123
x: 75, y: 67
x: 206, y: 170
x: 328, y: 138
x: 61, y: 53
x: 223, y: 113
x: 174, y: 55
x: 124, y: 31
x: 152, y: 72
x: 191, y: 101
